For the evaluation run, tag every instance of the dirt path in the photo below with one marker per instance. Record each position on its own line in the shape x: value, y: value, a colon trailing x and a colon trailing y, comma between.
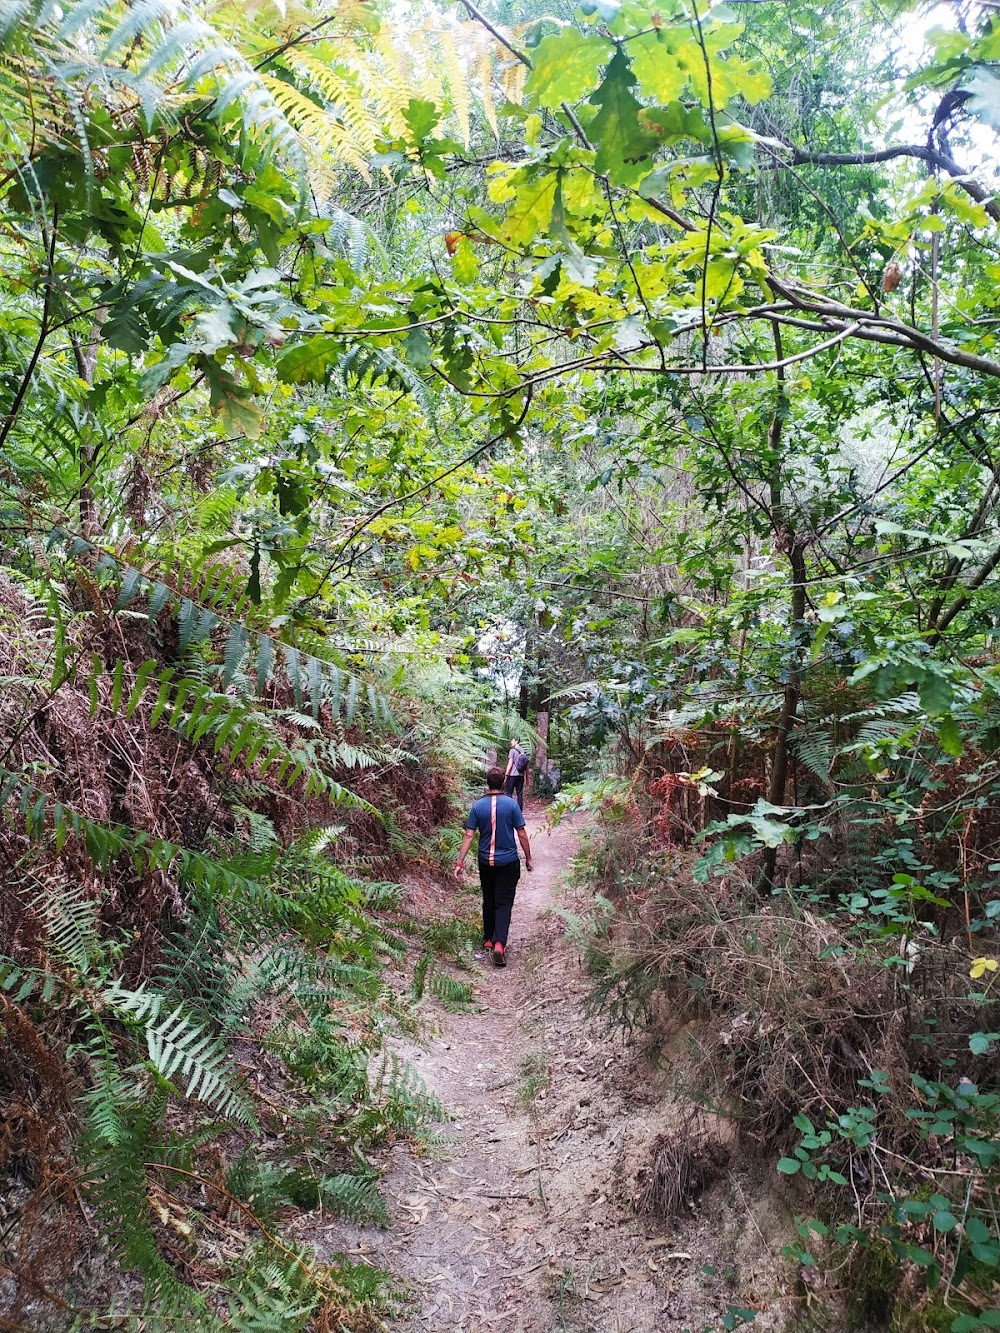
x: 524, y: 1218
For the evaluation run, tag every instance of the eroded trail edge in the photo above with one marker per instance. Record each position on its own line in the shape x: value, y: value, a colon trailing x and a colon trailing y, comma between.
x: 524, y: 1216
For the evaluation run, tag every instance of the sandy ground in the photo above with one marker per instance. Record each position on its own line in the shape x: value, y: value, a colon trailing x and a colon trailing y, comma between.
x: 523, y: 1216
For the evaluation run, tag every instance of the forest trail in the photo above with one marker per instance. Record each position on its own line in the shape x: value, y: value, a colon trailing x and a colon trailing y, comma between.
x: 521, y: 1217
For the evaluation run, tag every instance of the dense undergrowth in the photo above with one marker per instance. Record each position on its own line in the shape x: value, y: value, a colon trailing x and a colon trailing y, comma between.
x: 197, y: 973
x: 841, y: 1028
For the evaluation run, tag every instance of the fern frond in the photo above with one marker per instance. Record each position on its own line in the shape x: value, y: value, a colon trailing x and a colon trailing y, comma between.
x: 403, y: 1096
x: 512, y: 80
x: 348, y: 138
x: 111, y: 1094
x: 814, y: 750
x: 355, y: 1197
x: 458, y: 85
x: 177, y: 1044
x: 270, y: 1299
x: 116, y: 1182
x: 453, y: 994
x: 71, y: 918
x: 485, y: 75
x: 383, y: 82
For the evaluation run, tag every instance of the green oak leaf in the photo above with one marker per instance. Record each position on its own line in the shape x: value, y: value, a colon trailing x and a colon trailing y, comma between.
x: 579, y: 268
x: 721, y: 281
x: 419, y: 348
x: 935, y: 692
x: 231, y: 403
x: 676, y: 121
x: 950, y: 736
x: 124, y: 331
x: 565, y: 67
x: 421, y: 117
x: 309, y: 361
x: 160, y: 371
x: 616, y: 130
x: 531, y: 210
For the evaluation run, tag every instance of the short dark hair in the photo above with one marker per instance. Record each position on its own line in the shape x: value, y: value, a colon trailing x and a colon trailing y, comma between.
x: 494, y: 778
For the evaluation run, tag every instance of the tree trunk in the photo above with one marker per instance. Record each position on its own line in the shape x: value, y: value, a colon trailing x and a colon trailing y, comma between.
x: 542, y: 750
x: 788, y: 540
x: 86, y: 364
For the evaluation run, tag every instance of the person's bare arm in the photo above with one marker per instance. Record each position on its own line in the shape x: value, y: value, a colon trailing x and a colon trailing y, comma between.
x: 463, y: 850
x: 522, y: 837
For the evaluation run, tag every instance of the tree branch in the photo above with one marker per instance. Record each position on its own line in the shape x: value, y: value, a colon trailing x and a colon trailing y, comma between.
x: 370, y: 518
x: 44, y: 330
x: 962, y: 602
x: 932, y: 156
x: 504, y: 41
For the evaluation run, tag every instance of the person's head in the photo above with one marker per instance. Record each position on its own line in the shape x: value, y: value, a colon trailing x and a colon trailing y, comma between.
x: 494, y: 779
x: 514, y: 742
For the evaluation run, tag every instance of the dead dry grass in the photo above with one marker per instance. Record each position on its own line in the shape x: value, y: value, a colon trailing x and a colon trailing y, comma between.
x: 768, y: 1010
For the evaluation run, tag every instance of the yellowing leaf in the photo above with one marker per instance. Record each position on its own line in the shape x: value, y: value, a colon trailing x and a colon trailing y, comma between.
x: 950, y: 736
x: 980, y: 966
x: 531, y: 211
x: 963, y: 207
x: 721, y: 281
x: 657, y: 68
x: 565, y: 67
x: 465, y: 265
x: 581, y: 194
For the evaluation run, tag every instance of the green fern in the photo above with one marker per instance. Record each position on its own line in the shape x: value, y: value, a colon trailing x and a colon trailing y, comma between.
x: 70, y: 51
x: 402, y: 1095
x: 382, y: 896
x: 116, y: 1181
x: 454, y: 936
x: 261, y: 1185
x: 269, y: 1300
x: 353, y: 1196
x: 814, y: 750
x: 71, y: 920
x: 448, y: 991
x: 419, y: 979
x: 208, y: 609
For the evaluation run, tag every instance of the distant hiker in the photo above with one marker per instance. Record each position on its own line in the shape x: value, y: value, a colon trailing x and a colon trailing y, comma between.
x: 517, y: 765
x: 497, y: 818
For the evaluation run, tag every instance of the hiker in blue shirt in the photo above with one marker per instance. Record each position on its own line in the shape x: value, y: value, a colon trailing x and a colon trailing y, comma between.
x: 498, y: 819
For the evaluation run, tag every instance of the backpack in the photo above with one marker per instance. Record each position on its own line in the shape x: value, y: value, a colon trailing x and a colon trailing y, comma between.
x: 521, y: 761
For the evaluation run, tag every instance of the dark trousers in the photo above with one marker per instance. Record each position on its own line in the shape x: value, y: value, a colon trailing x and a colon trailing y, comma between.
x: 514, y: 786
x: 499, y: 886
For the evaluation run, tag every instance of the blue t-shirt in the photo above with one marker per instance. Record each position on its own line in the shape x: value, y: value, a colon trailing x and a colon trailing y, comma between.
x: 496, y: 817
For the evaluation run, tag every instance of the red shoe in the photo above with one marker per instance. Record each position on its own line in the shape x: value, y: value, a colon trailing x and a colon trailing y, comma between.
x: 487, y: 948
x: 499, y: 955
